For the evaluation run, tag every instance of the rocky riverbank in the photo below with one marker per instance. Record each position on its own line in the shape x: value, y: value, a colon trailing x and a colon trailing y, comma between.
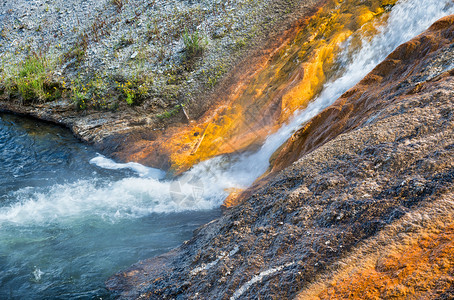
x: 201, y: 96
x: 116, y: 72
x: 364, y: 210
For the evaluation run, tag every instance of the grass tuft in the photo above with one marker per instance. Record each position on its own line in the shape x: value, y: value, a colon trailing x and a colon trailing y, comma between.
x: 194, y: 44
x: 31, y: 81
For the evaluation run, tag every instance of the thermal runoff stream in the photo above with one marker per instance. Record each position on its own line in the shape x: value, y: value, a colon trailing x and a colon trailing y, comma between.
x: 70, y: 218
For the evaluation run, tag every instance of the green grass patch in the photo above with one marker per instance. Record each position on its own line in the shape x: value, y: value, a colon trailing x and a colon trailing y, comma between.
x: 31, y: 81
x: 194, y: 44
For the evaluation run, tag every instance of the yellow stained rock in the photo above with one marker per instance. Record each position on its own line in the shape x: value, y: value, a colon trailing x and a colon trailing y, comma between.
x: 286, y: 83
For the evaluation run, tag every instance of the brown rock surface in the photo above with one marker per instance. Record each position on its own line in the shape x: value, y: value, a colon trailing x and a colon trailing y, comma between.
x: 413, y: 258
x: 381, y: 176
x: 406, y: 65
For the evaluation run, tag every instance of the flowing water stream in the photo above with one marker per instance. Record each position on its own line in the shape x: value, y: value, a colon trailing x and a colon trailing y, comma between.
x: 70, y: 217
x: 66, y: 224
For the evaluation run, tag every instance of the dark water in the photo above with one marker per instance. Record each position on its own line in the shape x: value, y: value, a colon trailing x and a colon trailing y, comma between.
x: 66, y: 225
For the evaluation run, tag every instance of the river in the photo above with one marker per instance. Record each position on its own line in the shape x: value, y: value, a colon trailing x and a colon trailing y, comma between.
x: 70, y: 218
x: 64, y: 225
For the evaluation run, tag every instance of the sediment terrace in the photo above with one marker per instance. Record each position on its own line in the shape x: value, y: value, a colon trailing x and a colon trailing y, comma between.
x: 365, y: 213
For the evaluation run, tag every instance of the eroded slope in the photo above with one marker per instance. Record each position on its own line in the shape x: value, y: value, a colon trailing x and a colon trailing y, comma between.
x: 393, y: 163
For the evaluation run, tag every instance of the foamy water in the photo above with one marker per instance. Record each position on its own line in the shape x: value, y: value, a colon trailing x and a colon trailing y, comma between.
x: 204, y: 186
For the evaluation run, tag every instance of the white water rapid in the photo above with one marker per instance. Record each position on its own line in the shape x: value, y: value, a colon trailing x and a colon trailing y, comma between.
x: 203, y: 187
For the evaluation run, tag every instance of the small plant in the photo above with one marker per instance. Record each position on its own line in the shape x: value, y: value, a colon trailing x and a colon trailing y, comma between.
x: 161, y: 55
x: 128, y: 91
x: 97, y: 29
x: 130, y: 95
x: 92, y: 94
x: 152, y: 31
x: 132, y: 91
x: 194, y: 44
x: 31, y: 80
x: 170, y: 113
x: 79, y: 95
x: 77, y: 53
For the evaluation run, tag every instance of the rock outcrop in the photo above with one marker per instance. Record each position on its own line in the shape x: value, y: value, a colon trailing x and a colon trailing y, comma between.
x: 359, y: 202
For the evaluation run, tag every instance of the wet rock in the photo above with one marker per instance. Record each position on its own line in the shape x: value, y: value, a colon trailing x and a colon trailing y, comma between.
x: 384, y: 178
x: 364, y: 102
